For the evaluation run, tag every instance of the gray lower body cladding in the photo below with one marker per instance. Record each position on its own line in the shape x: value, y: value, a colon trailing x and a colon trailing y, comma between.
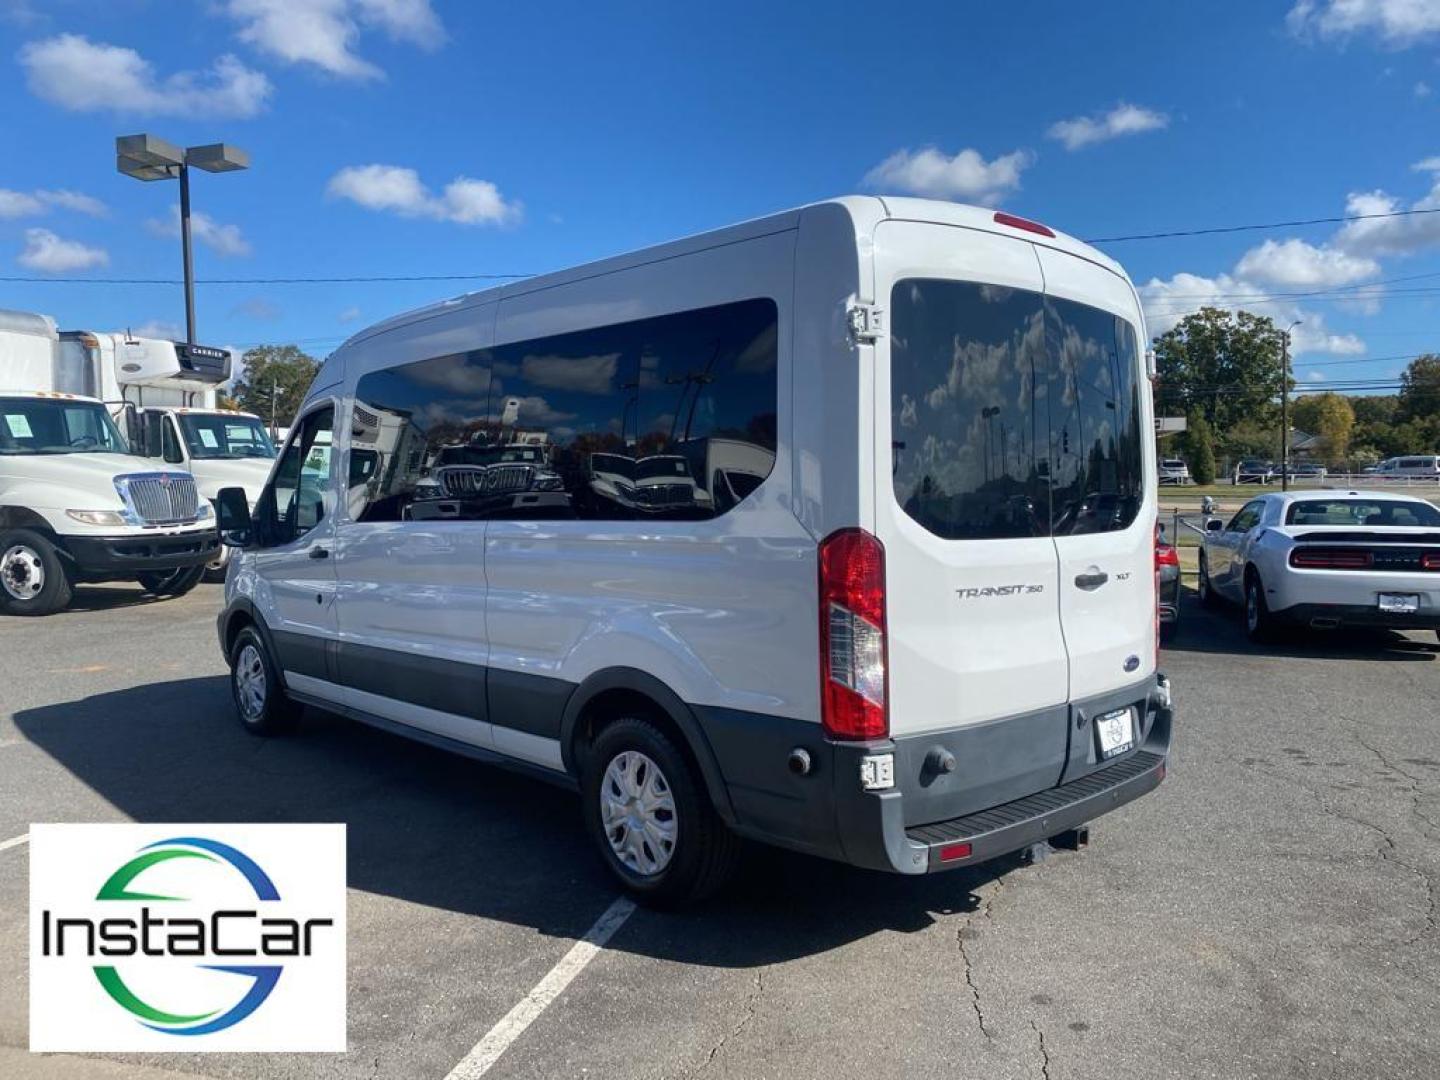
x: 1013, y: 780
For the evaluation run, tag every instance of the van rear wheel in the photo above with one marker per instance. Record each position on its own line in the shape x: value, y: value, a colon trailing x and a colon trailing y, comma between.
x: 647, y: 809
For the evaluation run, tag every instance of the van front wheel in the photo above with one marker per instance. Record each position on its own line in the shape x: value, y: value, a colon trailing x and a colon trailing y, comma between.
x: 648, y: 811
x: 260, y: 699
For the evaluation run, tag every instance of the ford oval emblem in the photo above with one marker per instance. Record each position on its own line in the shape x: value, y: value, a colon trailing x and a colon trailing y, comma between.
x: 1131, y: 663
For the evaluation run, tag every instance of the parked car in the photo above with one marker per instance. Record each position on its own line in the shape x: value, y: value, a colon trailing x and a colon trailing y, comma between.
x: 1415, y: 467
x: 1167, y: 585
x: 1326, y: 560
x: 1308, y: 470
x: 859, y: 659
x: 1252, y: 471
x: 1174, y: 471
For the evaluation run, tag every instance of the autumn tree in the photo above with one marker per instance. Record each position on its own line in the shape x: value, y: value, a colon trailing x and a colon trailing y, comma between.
x: 1329, y: 416
x: 274, y: 381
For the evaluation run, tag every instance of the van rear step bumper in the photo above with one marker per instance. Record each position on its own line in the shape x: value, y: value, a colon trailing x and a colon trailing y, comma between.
x: 1015, y: 825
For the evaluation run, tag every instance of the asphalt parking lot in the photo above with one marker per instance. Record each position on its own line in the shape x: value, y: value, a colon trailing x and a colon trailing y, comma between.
x: 1269, y: 912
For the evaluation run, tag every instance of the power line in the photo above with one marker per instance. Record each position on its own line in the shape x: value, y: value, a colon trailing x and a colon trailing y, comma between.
x: 1222, y: 229
x: 265, y: 281
x: 392, y: 278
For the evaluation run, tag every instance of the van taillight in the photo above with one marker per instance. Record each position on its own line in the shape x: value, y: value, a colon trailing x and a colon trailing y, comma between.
x: 853, y: 678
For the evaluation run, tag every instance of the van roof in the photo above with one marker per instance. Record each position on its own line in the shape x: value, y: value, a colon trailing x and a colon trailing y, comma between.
x: 866, y: 211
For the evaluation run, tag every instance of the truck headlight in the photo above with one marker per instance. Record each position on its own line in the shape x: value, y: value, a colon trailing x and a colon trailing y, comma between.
x: 97, y: 517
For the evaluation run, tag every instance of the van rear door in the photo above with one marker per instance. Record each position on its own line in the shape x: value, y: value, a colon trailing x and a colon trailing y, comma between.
x: 1102, y: 456
x: 961, y: 506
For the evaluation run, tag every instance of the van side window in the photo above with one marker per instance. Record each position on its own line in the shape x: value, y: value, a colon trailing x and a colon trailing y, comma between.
x: 667, y: 418
x: 294, y: 503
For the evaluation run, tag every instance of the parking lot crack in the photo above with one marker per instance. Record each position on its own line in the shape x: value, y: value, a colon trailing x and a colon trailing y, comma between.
x: 1410, y: 778
x: 969, y: 964
x: 752, y: 1002
x: 1044, y: 1052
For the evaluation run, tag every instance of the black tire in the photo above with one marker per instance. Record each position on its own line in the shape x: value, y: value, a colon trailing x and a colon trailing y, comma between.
x: 272, y: 713
x: 33, y: 579
x: 165, y: 583
x: 704, y: 852
x: 1259, y: 623
x: 1208, y: 596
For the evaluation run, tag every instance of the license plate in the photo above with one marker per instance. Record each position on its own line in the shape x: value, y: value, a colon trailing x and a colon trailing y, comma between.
x: 1399, y: 603
x: 1116, y: 731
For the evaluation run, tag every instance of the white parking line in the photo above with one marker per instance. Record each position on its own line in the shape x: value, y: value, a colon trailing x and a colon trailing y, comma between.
x: 513, y: 1024
x: 14, y: 841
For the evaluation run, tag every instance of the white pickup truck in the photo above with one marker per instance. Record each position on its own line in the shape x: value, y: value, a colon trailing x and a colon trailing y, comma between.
x: 75, y: 504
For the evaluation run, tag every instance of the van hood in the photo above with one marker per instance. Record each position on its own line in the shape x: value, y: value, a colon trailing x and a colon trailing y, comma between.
x: 249, y: 473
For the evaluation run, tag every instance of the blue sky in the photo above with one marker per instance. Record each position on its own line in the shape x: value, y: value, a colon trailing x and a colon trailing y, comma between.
x: 401, y: 137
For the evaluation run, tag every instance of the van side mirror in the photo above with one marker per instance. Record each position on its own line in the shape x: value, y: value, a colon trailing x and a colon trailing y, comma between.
x: 232, y: 516
x: 1214, y: 525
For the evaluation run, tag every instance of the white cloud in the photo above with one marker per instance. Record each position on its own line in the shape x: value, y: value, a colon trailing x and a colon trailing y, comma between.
x: 48, y: 253
x: 1397, y: 22
x: 225, y: 240
x: 1430, y: 164
x: 15, y: 204
x: 349, y: 314
x: 1378, y: 236
x: 1124, y: 119
x: 1296, y: 264
x: 399, y: 190
x: 324, y: 33
x: 1422, y: 89
x: 84, y: 76
x: 967, y: 175
x: 158, y: 328
x: 1168, y: 302
x: 257, y: 307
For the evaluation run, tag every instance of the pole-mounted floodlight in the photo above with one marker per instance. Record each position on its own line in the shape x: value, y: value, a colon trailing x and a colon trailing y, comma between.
x: 144, y: 157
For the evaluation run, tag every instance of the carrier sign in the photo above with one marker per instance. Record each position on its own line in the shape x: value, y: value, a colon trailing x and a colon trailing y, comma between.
x: 187, y: 937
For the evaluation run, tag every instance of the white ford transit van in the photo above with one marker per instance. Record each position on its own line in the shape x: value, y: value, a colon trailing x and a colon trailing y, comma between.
x: 833, y: 530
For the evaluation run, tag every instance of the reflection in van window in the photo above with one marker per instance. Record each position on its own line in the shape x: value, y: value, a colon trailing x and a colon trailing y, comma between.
x: 968, y: 446
x: 666, y: 418
x: 1012, y: 414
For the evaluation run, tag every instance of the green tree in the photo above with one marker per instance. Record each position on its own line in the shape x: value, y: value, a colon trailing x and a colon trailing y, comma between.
x: 276, y: 378
x: 1420, y: 389
x: 1199, y: 448
x: 1329, y: 416
x: 1223, y: 364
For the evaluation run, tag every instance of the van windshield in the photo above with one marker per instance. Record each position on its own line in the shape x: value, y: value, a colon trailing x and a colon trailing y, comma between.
x: 1012, y: 413
x: 57, y: 426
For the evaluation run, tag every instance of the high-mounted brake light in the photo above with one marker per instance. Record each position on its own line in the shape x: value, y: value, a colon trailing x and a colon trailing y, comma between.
x: 1002, y: 218
x: 854, y: 682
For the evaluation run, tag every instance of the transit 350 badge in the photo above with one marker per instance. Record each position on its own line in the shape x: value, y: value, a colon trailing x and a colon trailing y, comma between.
x: 187, y: 938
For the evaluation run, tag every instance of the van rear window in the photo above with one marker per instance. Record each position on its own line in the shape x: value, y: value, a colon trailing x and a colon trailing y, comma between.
x: 1013, y: 414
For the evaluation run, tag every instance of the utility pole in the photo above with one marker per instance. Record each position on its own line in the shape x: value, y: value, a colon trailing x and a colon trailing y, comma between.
x: 274, y: 405
x: 1285, y: 407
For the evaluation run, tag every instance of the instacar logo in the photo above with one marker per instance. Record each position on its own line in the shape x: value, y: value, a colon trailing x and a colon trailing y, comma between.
x: 188, y: 943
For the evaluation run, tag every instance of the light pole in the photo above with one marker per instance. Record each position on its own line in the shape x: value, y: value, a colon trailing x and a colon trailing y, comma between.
x: 144, y: 157
x: 1285, y: 407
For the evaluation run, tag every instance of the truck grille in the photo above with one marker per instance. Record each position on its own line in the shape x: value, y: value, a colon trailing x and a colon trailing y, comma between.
x: 460, y: 480
x: 160, y: 498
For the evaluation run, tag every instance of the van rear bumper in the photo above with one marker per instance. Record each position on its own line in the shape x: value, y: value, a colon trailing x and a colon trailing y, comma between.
x: 997, y: 799
x: 1015, y: 825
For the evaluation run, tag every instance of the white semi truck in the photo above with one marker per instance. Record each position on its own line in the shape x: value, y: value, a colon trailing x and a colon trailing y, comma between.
x: 163, y: 396
x: 75, y: 504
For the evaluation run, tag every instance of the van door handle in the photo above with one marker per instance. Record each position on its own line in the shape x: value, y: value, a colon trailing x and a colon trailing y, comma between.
x: 319, y: 553
x: 1089, y: 582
